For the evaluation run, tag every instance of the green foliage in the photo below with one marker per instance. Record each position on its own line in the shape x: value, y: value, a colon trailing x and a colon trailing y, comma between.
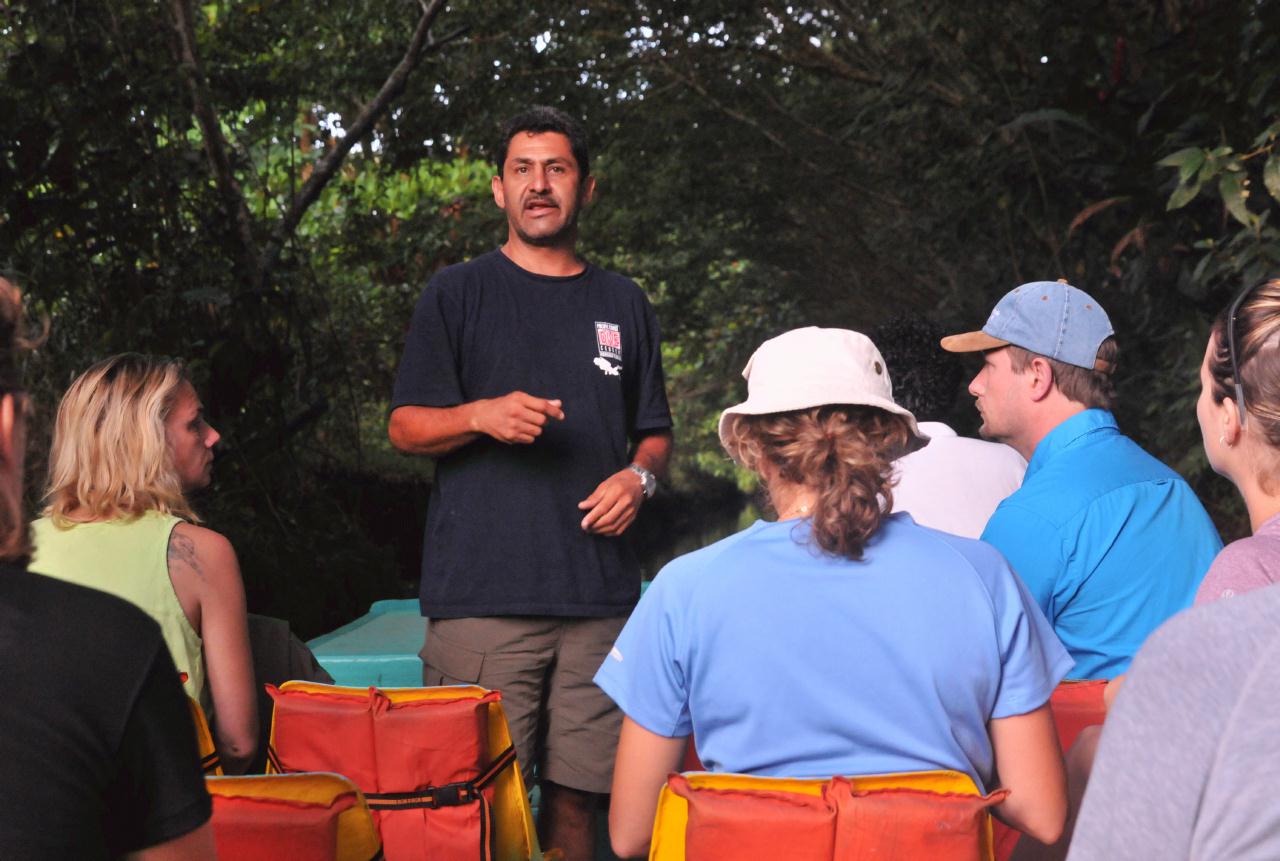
x: 760, y: 167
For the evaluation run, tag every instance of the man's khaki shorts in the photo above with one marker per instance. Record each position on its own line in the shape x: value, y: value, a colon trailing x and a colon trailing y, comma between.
x: 560, y: 721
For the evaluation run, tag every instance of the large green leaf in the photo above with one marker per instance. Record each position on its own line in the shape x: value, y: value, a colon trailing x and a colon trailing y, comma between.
x: 1187, y: 161
x: 1232, y: 189
x: 1271, y: 176
x: 1182, y: 195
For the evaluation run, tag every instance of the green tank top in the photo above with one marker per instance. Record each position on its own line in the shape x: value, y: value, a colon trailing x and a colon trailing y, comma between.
x: 128, y: 559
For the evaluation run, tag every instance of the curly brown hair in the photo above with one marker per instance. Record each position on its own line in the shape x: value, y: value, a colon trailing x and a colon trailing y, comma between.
x: 843, y: 453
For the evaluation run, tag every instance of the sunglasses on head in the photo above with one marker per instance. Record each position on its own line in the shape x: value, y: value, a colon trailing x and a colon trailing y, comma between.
x: 1232, y: 350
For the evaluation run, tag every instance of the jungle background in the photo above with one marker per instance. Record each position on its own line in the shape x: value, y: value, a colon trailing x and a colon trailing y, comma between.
x: 264, y: 188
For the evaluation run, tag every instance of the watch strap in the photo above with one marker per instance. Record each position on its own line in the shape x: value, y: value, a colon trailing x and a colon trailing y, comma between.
x: 648, y: 482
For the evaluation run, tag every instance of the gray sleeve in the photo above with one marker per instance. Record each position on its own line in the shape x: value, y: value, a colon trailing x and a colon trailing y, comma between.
x: 1156, y: 751
x: 1186, y: 765
x: 1238, y: 816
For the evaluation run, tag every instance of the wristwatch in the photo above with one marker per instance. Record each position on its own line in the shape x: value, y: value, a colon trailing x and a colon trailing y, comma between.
x: 647, y: 480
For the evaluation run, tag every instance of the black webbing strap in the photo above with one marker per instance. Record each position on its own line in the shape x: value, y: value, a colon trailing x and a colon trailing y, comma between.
x: 449, y: 795
x: 210, y: 763
x: 275, y: 760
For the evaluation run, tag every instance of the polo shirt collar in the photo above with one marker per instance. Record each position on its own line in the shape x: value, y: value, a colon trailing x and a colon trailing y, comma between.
x: 1067, y: 434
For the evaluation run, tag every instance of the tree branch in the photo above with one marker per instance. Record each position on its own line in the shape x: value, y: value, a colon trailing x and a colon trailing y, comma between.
x: 328, y: 165
x: 215, y: 145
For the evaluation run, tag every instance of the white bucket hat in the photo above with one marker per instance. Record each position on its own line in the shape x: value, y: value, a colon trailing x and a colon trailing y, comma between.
x: 813, y: 367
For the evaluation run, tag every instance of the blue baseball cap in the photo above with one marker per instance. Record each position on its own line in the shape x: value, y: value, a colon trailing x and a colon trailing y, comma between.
x: 1050, y: 318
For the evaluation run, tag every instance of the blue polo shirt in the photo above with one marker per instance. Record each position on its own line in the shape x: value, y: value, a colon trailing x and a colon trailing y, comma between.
x: 1110, y: 541
x: 784, y: 661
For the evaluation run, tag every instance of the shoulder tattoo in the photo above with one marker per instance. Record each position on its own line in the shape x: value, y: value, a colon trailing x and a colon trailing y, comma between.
x: 182, y: 549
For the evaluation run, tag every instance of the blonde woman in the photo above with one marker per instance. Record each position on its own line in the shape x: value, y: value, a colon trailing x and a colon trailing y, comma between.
x: 839, y: 639
x: 130, y: 442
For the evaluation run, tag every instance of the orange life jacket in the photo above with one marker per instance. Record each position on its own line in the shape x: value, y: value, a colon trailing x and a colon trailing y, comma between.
x: 316, y: 817
x: 1076, y: 704
x: 423, y: 764
x: 903, y: 817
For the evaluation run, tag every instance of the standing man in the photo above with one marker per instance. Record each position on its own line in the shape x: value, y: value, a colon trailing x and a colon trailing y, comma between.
x: 1109, y: 540
x: 535, y: 380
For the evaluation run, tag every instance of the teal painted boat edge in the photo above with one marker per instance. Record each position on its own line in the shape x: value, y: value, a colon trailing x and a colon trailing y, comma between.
x: 394, y: 605
x: 399, y: 672
x: 377, y: 608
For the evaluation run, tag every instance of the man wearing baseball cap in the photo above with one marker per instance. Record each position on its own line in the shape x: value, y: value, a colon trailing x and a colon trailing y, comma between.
x: 1110, y: 541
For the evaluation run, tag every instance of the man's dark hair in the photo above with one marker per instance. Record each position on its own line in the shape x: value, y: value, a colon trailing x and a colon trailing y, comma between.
x: 541, y: 119
x: 925, y: 377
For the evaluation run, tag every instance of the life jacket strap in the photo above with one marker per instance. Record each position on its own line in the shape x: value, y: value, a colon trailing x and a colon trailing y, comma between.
x: 448, y: 795
x: 210, y: 763
x: 433, y: 797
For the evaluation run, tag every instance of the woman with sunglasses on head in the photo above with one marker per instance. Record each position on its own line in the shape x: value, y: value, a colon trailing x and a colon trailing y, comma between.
x: 129, y: 444
x: 1186, y: 764
x: 840, y: 639
x: 1239, y: 414
x: 99, y: 760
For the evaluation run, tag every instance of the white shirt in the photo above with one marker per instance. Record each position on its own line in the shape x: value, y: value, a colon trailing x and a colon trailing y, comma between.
x: 955, y: 483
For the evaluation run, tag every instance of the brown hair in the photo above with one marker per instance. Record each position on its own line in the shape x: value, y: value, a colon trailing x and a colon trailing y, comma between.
x: 1258, y: 340
x: 15, y: 339
x: 844, y: 453
x: 1095, y: 389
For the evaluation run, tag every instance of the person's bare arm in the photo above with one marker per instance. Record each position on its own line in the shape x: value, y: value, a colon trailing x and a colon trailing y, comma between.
x: 640, y: 769
x: 1112, y: 689
x: 613, y: 505
x: 195, y: 845
x: 203, y: 557
x: 515, y: 418
x: 1029, y: 764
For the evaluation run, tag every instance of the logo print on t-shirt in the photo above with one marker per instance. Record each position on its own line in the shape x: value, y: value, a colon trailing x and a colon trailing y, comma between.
x: 609, y: 346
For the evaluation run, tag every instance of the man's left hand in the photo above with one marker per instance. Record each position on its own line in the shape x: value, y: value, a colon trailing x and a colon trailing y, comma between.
x: 613, y: 504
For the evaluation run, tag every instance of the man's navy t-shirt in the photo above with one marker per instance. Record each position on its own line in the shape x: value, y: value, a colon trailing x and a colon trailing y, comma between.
x: 503, y: 534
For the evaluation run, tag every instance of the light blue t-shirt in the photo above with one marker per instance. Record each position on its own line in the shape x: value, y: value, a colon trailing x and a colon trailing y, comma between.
x: 784, y: 661
x: 1110, y: 541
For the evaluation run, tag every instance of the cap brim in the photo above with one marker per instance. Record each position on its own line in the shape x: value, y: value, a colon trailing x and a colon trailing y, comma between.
x: 971, y: 342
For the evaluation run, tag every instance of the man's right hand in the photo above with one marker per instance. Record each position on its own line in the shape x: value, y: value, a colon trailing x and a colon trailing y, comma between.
x: 514, y: 418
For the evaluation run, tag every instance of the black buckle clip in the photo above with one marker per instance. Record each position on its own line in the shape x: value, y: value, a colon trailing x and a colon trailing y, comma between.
x: 451, y: 795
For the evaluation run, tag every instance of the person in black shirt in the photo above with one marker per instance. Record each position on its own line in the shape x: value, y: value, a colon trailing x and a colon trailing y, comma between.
x: 535, y: 378
x: 99, y: 756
